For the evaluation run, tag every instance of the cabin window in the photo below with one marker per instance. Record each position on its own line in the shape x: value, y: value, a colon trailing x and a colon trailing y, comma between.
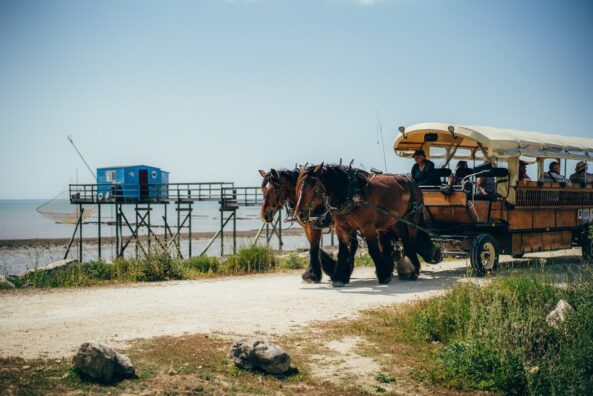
x: 110, y: 176
x: 437, y: 152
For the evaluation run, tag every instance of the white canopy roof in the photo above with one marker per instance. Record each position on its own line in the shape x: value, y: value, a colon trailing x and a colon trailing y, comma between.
x: 498, y: 142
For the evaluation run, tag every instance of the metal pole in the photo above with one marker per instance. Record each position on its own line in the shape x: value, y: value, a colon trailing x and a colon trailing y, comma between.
x: 165, y: 219
x: 234, y: 232
x: 189, y: 227
x: 148, y: 228
x: 99, y: 230
x: 280, y: 243
x: 81, y: 210
x: 137, y: 229
x: 221, y: 231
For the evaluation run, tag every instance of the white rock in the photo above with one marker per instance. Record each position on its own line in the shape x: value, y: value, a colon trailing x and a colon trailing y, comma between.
x: 559, y: 314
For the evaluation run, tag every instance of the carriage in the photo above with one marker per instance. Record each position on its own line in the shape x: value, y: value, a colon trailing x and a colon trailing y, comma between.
x: 519, y: 216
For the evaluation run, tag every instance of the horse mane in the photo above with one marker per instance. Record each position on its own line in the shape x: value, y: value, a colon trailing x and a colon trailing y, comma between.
x: 291, y: 174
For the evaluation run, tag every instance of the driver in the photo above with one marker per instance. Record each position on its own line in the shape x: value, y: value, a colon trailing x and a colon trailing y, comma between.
x: 423, y: 169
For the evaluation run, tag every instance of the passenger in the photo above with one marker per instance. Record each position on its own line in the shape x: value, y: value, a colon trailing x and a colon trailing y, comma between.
x: 580, y: 176
x: 553, y: 174
x: 523, y: 176
x: 423, y: 170
x: 455, y: 179
x: 485, y: 185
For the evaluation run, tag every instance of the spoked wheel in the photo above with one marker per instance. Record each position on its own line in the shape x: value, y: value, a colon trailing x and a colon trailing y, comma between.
x: 484, y: 254
x: 587, y: 245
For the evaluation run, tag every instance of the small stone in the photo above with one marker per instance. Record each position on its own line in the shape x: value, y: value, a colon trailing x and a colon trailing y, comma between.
x: 172, y: 371
x: 559, y: 314
x: 5, y: 283
x: 252, y: 354
x: 26, y: 367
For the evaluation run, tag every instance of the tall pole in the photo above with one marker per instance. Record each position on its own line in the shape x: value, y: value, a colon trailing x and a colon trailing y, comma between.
x: 99, y: 230
x: 81, y: 211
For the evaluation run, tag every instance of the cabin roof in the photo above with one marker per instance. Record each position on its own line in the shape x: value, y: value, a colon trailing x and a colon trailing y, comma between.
x: 498, y: 142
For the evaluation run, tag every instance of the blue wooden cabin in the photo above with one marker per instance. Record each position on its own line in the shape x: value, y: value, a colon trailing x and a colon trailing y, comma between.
x: 134, y: 183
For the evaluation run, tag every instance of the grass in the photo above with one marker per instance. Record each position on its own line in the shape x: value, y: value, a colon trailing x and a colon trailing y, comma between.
x: 491, y: 338
x: 163, y: 267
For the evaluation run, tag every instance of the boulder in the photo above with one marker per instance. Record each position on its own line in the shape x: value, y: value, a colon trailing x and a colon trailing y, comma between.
x: 5, y: 283
x: 102, y: 363
x: 50, y: 268
x: 252, y: 354
x: 559, y: 314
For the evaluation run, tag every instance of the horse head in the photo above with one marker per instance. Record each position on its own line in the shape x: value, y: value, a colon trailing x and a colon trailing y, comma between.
x: 278, y: 189
x: 311, y: 193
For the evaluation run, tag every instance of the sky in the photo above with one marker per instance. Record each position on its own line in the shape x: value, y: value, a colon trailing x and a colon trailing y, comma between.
x: 214, y: 90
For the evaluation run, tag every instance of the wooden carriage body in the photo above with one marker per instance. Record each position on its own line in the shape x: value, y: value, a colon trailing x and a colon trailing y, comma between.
x: 522, y: 216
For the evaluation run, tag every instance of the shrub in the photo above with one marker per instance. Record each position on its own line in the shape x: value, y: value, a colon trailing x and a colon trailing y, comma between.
x: 252, y: 259
x: 159, y: 267
x: 496, y: 338
x: 293, y: 261
x: 202, y: 264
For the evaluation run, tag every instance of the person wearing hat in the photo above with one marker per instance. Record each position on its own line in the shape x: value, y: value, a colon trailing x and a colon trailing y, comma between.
x: 523, y: 176
x: 423, y: 170
x: 580, y: 175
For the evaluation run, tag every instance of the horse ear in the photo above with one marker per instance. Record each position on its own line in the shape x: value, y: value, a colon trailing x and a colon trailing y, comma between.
x: 275, y: 174
x: 262, y: 173
x: 318, y: 168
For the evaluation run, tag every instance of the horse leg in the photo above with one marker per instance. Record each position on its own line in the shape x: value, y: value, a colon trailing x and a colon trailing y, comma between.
x: 343, y: 267
x: 313, y: 272
x: 353, y: 249
x: 383, y: 265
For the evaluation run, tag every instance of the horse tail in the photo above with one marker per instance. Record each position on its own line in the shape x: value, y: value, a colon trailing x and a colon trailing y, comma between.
x: 328, y: 264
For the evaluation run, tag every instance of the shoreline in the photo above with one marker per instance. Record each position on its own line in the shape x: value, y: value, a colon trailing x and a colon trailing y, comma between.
x: 199, y: 235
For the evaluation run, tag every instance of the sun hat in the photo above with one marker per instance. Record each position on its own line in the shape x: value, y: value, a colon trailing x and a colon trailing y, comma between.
x: 419, y: 153
x: 581, y: 166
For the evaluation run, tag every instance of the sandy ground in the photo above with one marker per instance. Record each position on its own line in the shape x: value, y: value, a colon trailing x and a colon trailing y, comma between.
x: 53, y: 323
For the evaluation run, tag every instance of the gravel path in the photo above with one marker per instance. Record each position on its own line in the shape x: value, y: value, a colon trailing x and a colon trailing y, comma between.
x: 52, y: 323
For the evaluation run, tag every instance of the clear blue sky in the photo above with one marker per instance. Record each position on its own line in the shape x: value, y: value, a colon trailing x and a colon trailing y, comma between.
x: 215, y: 90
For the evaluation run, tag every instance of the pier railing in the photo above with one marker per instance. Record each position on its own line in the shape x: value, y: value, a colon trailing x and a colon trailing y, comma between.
x: 147, y: 193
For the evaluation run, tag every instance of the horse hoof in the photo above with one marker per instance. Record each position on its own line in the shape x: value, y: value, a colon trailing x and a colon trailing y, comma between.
x: 408, y: 277
x: 386, y: 281
x: 338, y: 284
x: 309, y: 278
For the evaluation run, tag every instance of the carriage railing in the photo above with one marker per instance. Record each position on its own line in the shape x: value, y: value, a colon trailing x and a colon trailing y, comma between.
x: 536, y: 196
x: 139, y: 193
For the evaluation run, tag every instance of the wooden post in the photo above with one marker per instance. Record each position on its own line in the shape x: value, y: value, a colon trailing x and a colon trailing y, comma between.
x: 81, y: 211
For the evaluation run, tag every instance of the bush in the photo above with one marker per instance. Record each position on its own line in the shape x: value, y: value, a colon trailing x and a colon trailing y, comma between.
x: 202, y: 264
x: 158, y: 268
x: 293, y: 261
x: 496, y: 338
x: 253, y: 259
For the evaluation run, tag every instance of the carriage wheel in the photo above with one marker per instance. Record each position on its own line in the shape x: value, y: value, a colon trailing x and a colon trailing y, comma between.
x: 483, y: 254
x: 587, y: 245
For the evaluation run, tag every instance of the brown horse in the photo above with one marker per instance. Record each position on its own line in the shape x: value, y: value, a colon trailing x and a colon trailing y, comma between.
x: 279, y: 191
x: 372, y: 204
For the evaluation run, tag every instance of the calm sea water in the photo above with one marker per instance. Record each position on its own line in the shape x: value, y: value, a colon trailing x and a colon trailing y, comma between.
x: 20, y: 220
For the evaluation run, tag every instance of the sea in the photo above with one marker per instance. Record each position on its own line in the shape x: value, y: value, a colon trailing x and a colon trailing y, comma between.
x: 19, y: 220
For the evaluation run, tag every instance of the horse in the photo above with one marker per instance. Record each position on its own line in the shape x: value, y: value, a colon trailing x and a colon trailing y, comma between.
x: 373, y: 205
x: 279, y: 191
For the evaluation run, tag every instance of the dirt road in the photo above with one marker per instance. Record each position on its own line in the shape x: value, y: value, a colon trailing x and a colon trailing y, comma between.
x: 52, y: 323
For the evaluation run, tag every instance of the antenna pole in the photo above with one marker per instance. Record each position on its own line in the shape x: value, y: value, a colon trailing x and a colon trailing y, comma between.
x: 82, y: 158
x: 380, y: 129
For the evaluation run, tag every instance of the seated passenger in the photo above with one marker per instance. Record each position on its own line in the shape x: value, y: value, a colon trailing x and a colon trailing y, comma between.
x: 423, y: 169
x: 553, y: 174
x: 485, y: 185
x: 523, y: 176
x: 580, y: 176
x: 455, y: 179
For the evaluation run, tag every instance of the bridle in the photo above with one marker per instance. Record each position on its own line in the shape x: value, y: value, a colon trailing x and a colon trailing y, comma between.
x: 323, y: 220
